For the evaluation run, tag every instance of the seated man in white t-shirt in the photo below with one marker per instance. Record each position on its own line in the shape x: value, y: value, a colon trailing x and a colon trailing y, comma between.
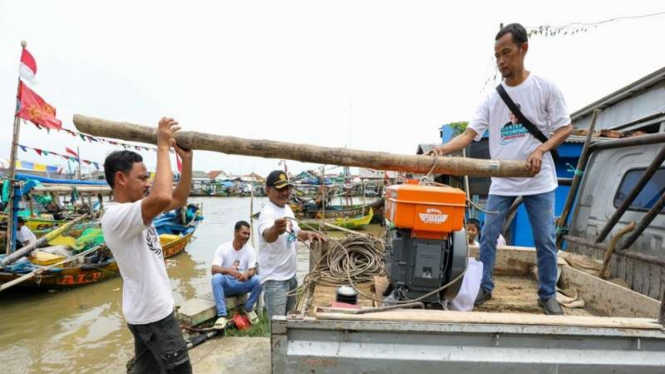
x: 23, y: 235
x: 234, y: 273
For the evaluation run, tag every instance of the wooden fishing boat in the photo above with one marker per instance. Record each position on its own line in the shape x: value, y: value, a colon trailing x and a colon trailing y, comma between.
x: 355, y: 223
x: 173, y: 245
x: 43, y: 222
x: 339, y: 211
x: 94, y: 267
x: 74, y: 231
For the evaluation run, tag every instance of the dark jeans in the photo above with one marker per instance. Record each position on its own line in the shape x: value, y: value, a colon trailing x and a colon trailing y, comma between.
x: 160, y: 348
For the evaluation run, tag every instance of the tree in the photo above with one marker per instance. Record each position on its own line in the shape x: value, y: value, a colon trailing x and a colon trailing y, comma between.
x: 458, y: 127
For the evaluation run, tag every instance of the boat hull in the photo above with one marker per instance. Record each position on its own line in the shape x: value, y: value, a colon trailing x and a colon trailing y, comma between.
x: 71, y: 277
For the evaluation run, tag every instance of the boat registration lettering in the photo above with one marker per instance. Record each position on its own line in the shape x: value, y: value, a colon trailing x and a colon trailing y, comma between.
x: 81, y: 278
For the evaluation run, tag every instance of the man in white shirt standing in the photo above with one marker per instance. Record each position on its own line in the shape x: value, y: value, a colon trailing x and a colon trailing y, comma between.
x: 542, y: 104
x: 278, y: 236
x: 147, y: 302
x: 234, y: 273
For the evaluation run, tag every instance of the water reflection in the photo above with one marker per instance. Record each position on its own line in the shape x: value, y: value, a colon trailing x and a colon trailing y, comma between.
x: 83, y: 331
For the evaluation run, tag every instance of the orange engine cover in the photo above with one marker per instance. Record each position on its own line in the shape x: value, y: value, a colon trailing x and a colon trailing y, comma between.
x: 429, y: 211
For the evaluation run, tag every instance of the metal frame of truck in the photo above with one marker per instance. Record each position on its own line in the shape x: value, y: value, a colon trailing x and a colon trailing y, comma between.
x: 534, y: 344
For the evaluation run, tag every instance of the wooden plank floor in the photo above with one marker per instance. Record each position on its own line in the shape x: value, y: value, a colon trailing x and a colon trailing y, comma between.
x: 519, y: 294
x: 324, y: 295
x: 512, y: 294
x: 440, y: 316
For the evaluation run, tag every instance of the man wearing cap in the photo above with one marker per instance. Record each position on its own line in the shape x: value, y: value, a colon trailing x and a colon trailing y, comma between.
x: 278, y: 234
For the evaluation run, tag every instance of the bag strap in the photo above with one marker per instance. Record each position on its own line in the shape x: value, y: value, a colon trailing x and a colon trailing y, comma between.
x: 533, y: 130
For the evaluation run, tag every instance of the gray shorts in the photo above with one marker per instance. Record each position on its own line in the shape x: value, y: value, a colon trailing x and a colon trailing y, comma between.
x: 280, y: 297
x: 160, y: 348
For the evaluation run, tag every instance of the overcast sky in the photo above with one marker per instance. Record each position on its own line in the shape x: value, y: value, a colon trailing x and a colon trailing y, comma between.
x: 374, y: 75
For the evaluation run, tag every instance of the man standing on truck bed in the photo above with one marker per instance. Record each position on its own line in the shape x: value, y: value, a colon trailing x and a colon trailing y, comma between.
x: 517, y: 131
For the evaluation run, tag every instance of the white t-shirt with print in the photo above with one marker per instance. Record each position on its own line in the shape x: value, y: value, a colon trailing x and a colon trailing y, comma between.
x: 24, y: 234
x: 542, y: 103
x: 241, y: 260
x: 277, y: 260
x: 146, y: 294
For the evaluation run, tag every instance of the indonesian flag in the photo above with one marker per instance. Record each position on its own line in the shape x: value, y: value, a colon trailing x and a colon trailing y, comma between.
x: 28, y: 68
x: 69, y: 151
x: 34, y: 109
x: 178, y: 163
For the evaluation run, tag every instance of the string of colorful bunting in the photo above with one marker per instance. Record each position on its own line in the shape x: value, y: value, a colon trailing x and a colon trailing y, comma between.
x: 92, y: 139
x: 44, y: 152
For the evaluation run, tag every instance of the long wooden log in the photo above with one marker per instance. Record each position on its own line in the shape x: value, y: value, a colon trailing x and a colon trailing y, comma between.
x: 305, y: 152
x: 69, y: 189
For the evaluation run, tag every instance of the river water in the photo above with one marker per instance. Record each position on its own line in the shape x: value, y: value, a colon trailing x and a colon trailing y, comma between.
x: 82, y: 330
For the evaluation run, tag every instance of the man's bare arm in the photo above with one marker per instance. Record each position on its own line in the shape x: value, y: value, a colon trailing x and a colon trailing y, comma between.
x: 272, y: 233
x: 458, y: 143
x: 184, y: 187
x: 160, y: 195
x: 535, y: 160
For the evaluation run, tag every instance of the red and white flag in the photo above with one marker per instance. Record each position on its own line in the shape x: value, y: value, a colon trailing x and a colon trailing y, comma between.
x: 178, y: 163
x: 34, y: 109
x: 28, y: 68
x: 69, y: 151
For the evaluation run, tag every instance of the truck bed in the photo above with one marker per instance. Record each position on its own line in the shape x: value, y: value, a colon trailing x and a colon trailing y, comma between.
x: 518, y: 294
x: 616, y: 331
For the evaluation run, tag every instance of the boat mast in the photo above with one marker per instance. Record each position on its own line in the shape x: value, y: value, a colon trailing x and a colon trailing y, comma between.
x: 12, y: 222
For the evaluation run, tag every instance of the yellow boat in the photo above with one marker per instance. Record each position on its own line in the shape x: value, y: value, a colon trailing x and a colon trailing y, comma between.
x: 354, y: 223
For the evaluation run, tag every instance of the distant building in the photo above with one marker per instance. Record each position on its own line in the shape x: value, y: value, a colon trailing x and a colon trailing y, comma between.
x: 366, y: 173
x: 201, y: 182
x: 253, y: 177
x: 217, y: 175
x: 423, y: 149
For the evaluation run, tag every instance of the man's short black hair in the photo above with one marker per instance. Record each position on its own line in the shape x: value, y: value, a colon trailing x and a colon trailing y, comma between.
x: 518, y: 31
x: 119, y: 161
x: 241, y: 224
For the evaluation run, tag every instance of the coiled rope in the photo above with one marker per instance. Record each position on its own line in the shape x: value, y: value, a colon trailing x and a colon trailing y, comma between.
x: 358, y: 260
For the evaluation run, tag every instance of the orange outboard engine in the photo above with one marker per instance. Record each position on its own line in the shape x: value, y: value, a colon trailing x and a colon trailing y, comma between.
x: 426, y: 245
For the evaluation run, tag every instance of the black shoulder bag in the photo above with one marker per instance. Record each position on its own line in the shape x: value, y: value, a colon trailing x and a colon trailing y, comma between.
x: 533, y: 130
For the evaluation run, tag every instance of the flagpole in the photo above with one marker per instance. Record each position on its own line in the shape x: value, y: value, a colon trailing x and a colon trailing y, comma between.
x: 15, y: 136
x: 12, y: 223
